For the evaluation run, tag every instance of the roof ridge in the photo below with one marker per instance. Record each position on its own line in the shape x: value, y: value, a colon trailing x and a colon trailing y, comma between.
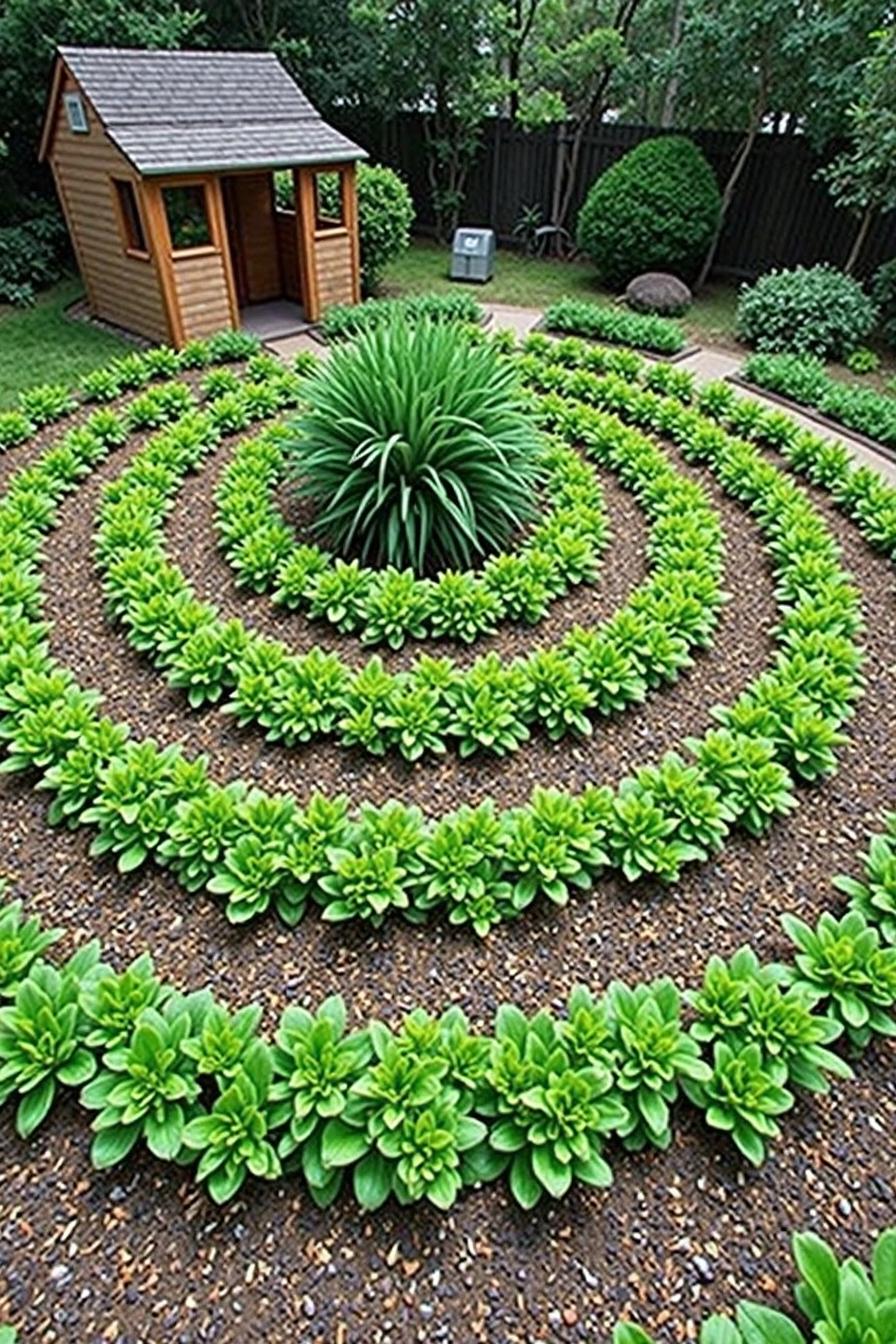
x: 156, y: 52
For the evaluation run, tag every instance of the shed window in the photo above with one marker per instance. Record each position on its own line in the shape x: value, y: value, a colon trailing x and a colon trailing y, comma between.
x: 187, y: 213
x: 129, y: 214
x: 329, y: 204
x: 75, y: 113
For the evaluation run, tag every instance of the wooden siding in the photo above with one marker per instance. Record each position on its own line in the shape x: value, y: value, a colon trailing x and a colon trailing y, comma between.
x: 334, y: 270
x: 288, y: 249
x: 120, y: 288
x: 200, y: 282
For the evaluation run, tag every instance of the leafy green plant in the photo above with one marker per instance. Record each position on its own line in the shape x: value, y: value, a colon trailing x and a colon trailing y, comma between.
x: 808, y: 310
x: 551, y: 1113
x: 743, y: 769
x: 233, y: 1136
x: 316, y: 1065
x: 112, y: 1003
x: 22, y: 941
x: 862, y: 360
x: 487, y: 707
x: 43, y: 404
x: 396, y: 607
x: 42, y: 1036
x: 742, y: 1098
x: 842, y: 965
x: 231, y: 345
x: 556, y: 696
x: 653, y: 1056
x: 15, y: 427
x: 406, y: 1126
x: 339, y: 594
x: 875, y: 896
x: 805, y: 380
x: 218, y: 382
x: 843, y: 1302
x: 415, y: 449
x: 224, y: 1041
x: 601, y: 322
x: 462, y: 607
x: 463, y: 869
x: 742, y: 1003
x: 158, y: 406
x: 138, y: 792
x: 342, y: 321
x: 147, y: 1088
x: 641, y: 839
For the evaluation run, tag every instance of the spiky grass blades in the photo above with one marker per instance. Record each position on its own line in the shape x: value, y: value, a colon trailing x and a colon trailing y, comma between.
x: 416, y: 449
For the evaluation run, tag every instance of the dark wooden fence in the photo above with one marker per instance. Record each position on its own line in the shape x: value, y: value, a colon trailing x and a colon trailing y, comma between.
x: 781, y: 216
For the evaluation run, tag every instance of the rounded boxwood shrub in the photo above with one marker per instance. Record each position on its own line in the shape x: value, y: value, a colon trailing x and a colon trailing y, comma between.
x: 810, y: 310
x: 415, y: 448
x: 654, y: 210
x: 883, y: 293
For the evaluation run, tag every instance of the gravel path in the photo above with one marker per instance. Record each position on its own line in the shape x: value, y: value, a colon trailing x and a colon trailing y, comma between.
x: 139, y: 1255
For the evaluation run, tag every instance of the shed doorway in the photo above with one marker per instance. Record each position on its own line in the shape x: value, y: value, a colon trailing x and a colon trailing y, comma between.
x: 264, y: 256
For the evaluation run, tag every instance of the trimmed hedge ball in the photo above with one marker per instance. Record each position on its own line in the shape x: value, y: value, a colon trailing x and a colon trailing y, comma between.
x: 655, y: 210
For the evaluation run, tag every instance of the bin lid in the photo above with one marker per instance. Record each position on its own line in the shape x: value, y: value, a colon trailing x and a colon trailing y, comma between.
x: 472, y: 241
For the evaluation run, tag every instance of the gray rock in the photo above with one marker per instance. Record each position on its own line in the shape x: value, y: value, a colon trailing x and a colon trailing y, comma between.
x: 658, y: 292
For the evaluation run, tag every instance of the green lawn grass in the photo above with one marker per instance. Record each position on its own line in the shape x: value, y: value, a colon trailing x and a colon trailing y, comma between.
x: 42, y: 345
x: 529, y: 282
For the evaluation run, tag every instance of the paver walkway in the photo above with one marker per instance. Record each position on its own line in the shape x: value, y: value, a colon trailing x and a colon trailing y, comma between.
x: 707, y: 364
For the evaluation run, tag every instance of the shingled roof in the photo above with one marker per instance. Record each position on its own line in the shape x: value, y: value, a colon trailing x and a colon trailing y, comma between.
x: 209, y: 111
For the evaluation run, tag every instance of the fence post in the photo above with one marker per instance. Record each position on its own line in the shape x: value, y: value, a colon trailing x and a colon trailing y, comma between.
x: 494, y: 168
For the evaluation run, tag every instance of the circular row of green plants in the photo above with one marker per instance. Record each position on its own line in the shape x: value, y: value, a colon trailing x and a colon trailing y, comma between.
x: 421, y: 1111
x: 478, y: 865
x: 859, y: 492
x: 390, y: 605
x: 47, y: 403
x: 491, y: 705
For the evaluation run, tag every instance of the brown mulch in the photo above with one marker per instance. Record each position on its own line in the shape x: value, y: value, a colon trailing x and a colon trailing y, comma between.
x: 139, y: 1255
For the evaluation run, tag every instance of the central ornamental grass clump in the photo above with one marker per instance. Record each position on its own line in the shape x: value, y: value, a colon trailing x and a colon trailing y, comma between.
x: 416, y: 449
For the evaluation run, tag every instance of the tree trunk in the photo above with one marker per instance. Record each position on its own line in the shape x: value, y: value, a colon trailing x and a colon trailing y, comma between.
x: 571, y: 168
x: 734, y: 176
x: 858, y: 241
x: 570, y: 150
x: 670, y: 97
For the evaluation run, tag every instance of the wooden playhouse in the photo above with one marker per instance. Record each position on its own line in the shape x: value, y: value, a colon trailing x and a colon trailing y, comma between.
x: 164, y: 163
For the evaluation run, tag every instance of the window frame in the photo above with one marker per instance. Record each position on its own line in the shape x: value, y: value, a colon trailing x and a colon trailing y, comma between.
x: 130, y: 246
x: 322, y: 227
x: 75, y: 110
x: 208, y: 248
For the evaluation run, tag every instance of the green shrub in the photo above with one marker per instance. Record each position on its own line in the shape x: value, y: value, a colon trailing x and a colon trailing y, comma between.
x: 810, y: 310
x: 345, y: 320
x: 32, y: 255
x: 601, y: 322
x: 883, y: 293
x: 862, y: 360
x: 415, y: 448
x: 654, y: 210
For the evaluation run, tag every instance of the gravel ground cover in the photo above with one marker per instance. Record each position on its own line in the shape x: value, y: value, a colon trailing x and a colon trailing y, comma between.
x: 139, y: 1253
